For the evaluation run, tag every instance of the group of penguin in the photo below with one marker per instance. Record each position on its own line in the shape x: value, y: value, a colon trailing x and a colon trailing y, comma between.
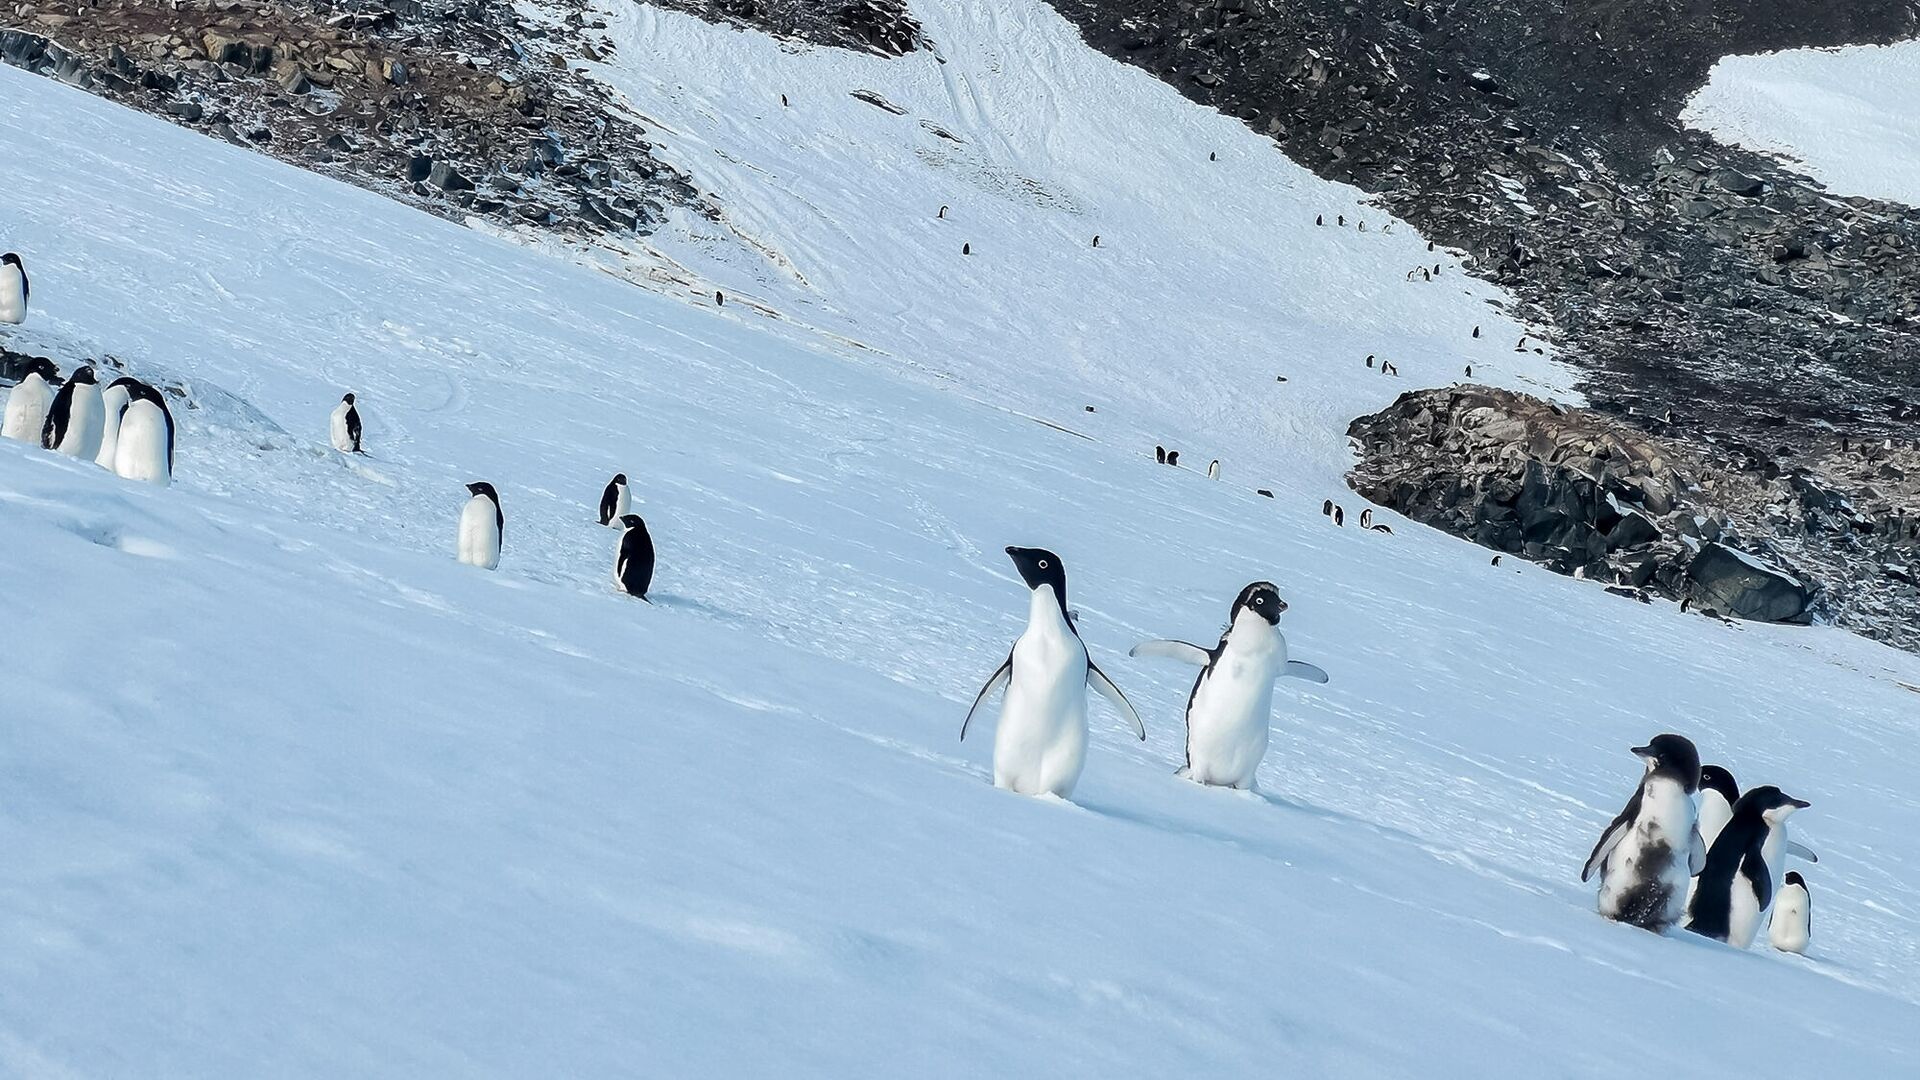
x: 1040, y: 742
x: 483, y: 525
x: 1717, y: 865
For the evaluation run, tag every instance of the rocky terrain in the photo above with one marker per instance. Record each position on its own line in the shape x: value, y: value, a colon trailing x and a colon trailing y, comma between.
x: 882, y: 27
x: 1587, y: 494
x: 468, y: 110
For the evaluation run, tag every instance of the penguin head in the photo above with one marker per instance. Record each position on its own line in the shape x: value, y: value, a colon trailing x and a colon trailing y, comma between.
x: 10, y: 259
x: 481, y: 487
x: 1772, y: 804
x: 1674, y: 755
x: 44, y: 368
x: 1717, y: 778
x: 1041, y: 568
x: 1794, y: 878
x: 348, y: 399
x: 632, y: 521
x: 1261, y: 598
x: 620, y: 478
x: 84, y: 375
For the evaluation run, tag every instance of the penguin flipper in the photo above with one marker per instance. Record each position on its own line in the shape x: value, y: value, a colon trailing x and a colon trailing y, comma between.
x: 1801, y: 851
x: 1755, y: 867
x: 1001, y: 676
x: 1300, y: 669
x: 1179, y: 651
x: 1610, y: 839
x: 1105, y: 688
x: 1696, y: 852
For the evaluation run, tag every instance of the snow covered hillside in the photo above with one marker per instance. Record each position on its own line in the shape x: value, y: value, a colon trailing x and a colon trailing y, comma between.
x: 1845, y: 115
x: 288, y: 792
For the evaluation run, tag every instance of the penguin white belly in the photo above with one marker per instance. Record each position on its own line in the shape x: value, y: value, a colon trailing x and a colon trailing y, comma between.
x: 1791, y: 928
x: 1743, y: 913
x: 27, y: 410
x: 113, y: 400
x: 141, y: 450
x: 1040, y: 744
x: 337, y: 429
x: 1230, y: 720
x: 1645, y: 878
x: 13, y: 299
x: 85, y: 423
x: 480, y: 534
x: 622, y: 505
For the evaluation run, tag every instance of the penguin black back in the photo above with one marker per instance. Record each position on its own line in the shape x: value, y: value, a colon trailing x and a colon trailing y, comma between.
x: 1173, y: 457
x: 481, y: 487
x: 633, y: 567
x: 1737, y: 860
x: 139, y: 391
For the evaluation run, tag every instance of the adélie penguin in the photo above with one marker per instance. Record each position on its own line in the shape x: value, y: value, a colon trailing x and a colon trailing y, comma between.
x: 14, y: 289
x: 113, y: 402
x: 614, y: 501
x: 1648, y: 852
x: 481, y: 527
x: 28, y: 401
x: 143, y: 448
x: 343, y: 427
x: 1040, y: 744
x: 1736, y: 886
x: 1792, y: 924
x: 1230, y: 710
x: 1718, y: 793
x: 76, y: 418
x: 633, y: 566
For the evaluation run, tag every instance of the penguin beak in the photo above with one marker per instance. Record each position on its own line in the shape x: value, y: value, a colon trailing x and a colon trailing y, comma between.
x: 1643, y: 752
x: 1800, y: 804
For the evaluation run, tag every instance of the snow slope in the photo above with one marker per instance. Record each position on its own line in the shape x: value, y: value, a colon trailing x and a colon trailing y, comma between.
x: 1845, y: 115
x: 287, y: 792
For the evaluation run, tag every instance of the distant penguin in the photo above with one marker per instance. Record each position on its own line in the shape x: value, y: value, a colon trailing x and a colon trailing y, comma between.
x: 1792, y: 925
x: 1366, y: 518
x: 1319, y: 219
x: 1363, y: 225
x: 614, y: 501
x: 1211, y: 156
x: 1339, y: 516
x: 942, y: 214
x: 1040, y: 744
x: 1326, y: 508
x: 1646, y: 855
x: 1429, y: 245
x: 1263, y: 491
x: 1469, y: 371
x: 1341, y: 220
x: 113, y: 403
x: 783, y: 101
x: 1213, y: 470
x: 28, y: 402
x: 1495, y: 562
x: 1476, y: 331
x: 1096, y: 239
x: 14, y: 289
x: 1173, y: 457
x: 633, y: 566
x: 482, y: 526
x: 1230, y: 709
x: 719, y: 298
x: 1736, y: 886
x: 966, y: 249
x: 143, y: 448
x: 343, y: 427
x: 1369, y: 359
x: 1160, y: 454
x: 77, y: 417
x: 1521, y: 345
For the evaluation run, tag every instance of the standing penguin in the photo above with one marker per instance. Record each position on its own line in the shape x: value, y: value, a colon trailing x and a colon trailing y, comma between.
x: 1213, y: 470
x: 343, y: 427
x: 1718, y: 793
x: 1736, y: 886
x: 144, y: 446
x: 28, y: 402
x: 1230, y: 709
x: 1653, y: 846
x: 13, y: 289
x: 1173, y: 457
x: 1040, y: 745
x: 113, y: 402
x: 482, y: 526
x: 77, y: 417
x: 1339, y: 516
x: 633, y: 566
x: 1792, y: 925
x: 614, y: 500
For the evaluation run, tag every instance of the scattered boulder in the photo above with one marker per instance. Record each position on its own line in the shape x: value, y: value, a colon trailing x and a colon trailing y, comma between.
x: 1744, y: 587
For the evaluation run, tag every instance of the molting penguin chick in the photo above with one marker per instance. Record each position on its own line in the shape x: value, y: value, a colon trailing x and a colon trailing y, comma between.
x: 77, y: 417
x: 14, y: 289
x: 1040, y: 744
x: 1647, y: 853
x: 633, y: 566
x: 343, y: 427
x: 1230, y: 709
x: 28, y: 402
x: 614, y: 501
x: 1792, y: 925
x: 482, y: 526
x: 1736, y: 885
x: 144, y: 446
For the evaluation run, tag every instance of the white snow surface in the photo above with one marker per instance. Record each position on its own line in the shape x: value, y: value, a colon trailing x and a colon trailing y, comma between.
x: 1844, y: 116
x: 286, y: 791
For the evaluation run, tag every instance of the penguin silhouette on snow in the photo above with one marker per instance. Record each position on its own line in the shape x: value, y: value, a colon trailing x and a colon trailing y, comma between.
x: 1040, y: 744
x: 343, y: 427
x: 482, y: 527
x: 14, y: 289
x: 143, y: 449
x: 1647, y: 853
x: 77, y: 417
x: 614, y: 500
x: 633, y: 566
x: 1230, y: 709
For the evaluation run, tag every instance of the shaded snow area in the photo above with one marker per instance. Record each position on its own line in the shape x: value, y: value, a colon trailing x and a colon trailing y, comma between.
x: 286, y: 791
x: 1845, y: 116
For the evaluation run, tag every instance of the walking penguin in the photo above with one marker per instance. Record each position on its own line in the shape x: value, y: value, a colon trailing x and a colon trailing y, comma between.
x: 1646, y: 855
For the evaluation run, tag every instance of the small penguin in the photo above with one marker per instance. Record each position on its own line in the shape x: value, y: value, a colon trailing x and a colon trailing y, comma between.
x: 1521, y: 345
x: 633, y: 566
x: 1230, y: 709
x: 1476, y: 331
x: 1366, y: 518
x: 1495, y: 562
x: 614, y: 501
x: 719, y: 298
x: 1173, y: 458
x: 28, y: 402
x: 113, y: 402
x: 1469, y: 371
x: 76, y: 418
x: 1339, y: 516
x: 1646, y: 855
x: 344, y: 426
x: 783, y: 101
x: 1040, y: 745
x: 1096, y: 239
x: 1213, y: 470
x: 13, y: 289
x: 1319, y: 219
x: 1263, y: 491
x: 143, y: 447
x: 1736, y: 886
x: 942, y: 215
x: 1160, y: 454
x: 1212, y: 156
x: 1792, y: 924
x: 1341, y: 220
x: 1369, y: 360
x: 966, y: 249
x: 482, y: 527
